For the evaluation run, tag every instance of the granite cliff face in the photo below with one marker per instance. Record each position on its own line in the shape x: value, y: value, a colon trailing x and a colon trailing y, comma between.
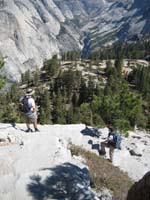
x: 27, y: 34
x: 31, y: 31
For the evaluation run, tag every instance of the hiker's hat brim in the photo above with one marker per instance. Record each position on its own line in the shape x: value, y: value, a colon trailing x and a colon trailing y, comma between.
x: 29, y: 92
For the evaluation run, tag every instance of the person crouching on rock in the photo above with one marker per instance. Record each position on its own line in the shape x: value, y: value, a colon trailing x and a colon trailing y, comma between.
x: 29, y: 108
x: 110, y: 143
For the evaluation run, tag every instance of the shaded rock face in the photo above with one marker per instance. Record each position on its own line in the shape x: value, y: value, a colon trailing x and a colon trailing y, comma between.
x: 31, y: 31
x: 140, y: 190
x: 66, y: 181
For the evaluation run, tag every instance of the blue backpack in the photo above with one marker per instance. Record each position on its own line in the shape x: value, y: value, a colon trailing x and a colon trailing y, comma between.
x: 117, y: 140
x: 24, y: 106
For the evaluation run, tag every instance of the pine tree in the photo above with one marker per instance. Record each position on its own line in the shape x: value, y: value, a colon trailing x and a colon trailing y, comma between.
x: 70, y: 117
x: 118, y: 65
x: 83, y: 93
x: 2, y: 79
x: 52, y: 66
x: 45, y: 108
x: 36, y: 77
x: 59, y: 112
x: 86, y: 114
x: 27, y: 77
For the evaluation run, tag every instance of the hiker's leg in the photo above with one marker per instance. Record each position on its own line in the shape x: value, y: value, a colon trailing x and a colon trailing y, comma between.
x: 27, y: 122
x: 102, y: 150
x: 111, y: 152
x: 35, y: 124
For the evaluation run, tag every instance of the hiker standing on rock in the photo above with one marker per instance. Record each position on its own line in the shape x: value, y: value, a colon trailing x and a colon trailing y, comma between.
x: 29, y: 108
x: 113, y: 141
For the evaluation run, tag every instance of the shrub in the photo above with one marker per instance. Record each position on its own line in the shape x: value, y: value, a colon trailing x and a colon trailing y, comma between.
x: 98, y: 121
x: 122, y: 124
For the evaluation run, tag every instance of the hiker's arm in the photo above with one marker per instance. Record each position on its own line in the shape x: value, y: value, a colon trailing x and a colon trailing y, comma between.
x: 33, y: 109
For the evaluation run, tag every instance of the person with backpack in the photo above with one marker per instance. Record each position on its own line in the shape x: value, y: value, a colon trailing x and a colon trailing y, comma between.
x: 29, y: 108
x: 113, y: 142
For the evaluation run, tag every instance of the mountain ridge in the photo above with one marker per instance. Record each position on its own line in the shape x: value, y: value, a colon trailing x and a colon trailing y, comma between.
x: 32, y: 31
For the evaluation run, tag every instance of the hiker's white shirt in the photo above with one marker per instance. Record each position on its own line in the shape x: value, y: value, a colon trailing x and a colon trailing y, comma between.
x: 31, y: 104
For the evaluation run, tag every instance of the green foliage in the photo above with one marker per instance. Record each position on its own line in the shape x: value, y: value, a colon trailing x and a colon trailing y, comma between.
x: 59, y: 111
x: 10, y: 114
x: 97, y: 120
x: 83, y: 93
x: 2, y: 79
x: 36, y: 77
x: 122, y: 106
x: 76, y: 116
x: 109, y: 68
x: 71, y: 81
x: 140, y: 78
x: 2, y: 82
x: 1, y: 62
x: 8, y: 109
x: 27, y: 78
x: 45, y: 108
x: 137, y: 50
x: 43, y: 119
x: 71, y: 55
x: 52, y: 66
x: 126, y: 134
x: 70, y: 116
x: 143, y: 74
x: 118, y: 65
x: 96, y: 103
x: 70, y: 98
x: 14, y: 93
x: 86, y: 114
x: 122, y: 124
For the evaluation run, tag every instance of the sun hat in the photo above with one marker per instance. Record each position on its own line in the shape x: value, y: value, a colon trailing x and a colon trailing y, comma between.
x: 29, y: 92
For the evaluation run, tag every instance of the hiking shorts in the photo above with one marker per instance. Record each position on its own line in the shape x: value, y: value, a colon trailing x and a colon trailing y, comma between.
x: 31, y: 116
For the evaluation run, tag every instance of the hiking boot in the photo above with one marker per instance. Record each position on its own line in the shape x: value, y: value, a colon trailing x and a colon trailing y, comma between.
x: 29, y: 130
x: 37, y: 130
x: 101, y: 152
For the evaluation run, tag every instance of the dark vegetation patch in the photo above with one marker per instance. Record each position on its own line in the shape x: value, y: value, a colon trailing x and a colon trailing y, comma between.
x: 104, y: 174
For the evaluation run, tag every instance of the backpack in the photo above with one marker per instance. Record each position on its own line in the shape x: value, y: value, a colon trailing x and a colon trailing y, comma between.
x: 23, y: 105
x: 117, y: 140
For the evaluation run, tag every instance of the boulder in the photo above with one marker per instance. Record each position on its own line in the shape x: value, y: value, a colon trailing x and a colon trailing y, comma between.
x: 141, y: 189
x: 133, y: 153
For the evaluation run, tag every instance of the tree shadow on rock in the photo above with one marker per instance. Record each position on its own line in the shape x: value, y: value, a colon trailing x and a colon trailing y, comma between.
x: 94, y: 146
x: 93, y: 132
x: 67, y: 182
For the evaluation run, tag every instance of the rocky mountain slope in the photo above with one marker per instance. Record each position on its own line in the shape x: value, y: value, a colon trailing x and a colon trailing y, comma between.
x: 34, y: 30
